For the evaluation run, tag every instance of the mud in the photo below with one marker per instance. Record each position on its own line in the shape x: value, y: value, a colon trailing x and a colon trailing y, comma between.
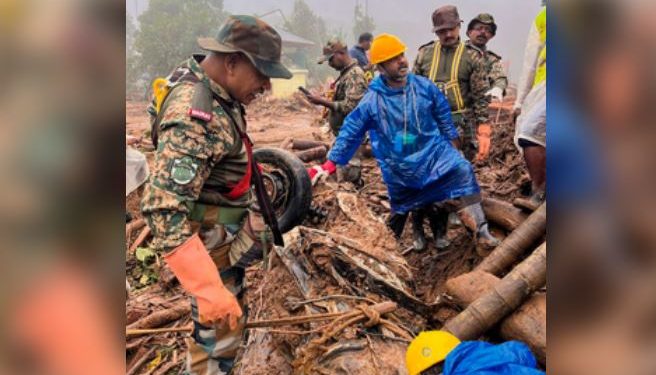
x: 345, y: 259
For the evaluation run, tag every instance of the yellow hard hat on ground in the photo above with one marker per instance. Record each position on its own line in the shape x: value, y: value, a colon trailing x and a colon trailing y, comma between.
x: 428, y: 349
x: 384, y: 47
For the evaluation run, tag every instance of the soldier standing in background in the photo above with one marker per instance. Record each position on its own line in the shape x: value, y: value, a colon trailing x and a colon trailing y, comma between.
x: 480, y: 30
x: 348, y: 88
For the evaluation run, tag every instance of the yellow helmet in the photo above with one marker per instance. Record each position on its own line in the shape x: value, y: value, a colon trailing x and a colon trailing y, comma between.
x: 384, y: 47
x: 428, y: 349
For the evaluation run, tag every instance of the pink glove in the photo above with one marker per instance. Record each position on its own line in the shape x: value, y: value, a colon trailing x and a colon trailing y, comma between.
x: 324, y: 170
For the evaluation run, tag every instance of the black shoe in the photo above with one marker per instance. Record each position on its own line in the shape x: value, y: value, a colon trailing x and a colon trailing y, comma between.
x: 438, y: 222
x: 418, y: 236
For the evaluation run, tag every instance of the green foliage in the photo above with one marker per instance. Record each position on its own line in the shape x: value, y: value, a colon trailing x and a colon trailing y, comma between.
x: 361, y: 22
x: 305, y: 23
x: 168, y: 30
x: 146, y: 267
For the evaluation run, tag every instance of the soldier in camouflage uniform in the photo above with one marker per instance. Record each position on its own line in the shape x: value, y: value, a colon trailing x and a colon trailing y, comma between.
x: 458, y: 69
x: 349, y: 88
x: 480, y: 31
x: 198, y: 199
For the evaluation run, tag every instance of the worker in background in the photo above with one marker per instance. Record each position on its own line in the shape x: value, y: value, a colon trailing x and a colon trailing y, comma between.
x: 480, y: 30
x: 414, y: 141
x: 197, y: 201
x: 359, y: 51
x: 530, y: 111
x: 458, y: 69
x: 348, y: 89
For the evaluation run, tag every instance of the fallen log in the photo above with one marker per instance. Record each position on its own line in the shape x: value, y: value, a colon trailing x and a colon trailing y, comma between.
x: 140, y: 239
x: 504, y: 298
x: 503, y: 214
x: 513, y: 246
x: 311, y: 154
x: 305, y: 144
x: 134, y: 225
x: 159, y: 318
x: 527, y: 324
x: 290, y: 143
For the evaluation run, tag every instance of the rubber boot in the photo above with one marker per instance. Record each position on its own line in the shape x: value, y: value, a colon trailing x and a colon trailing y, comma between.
x: 474, y: 219
x: 396, y: 222
x: 418, y: 236
x: 439, y: 218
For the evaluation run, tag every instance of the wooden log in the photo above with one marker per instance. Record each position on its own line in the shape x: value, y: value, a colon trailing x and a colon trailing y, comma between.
x: 140, y: 239
x: 503, y: 214
x: 513, y: 246
x: 527, y: 324
x: 305, y: 144
x: 311, y: 154
x: 159, y: 318
x: 503, y: 299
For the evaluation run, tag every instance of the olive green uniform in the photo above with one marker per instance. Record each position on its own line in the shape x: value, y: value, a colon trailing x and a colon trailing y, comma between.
x: 460, y: 73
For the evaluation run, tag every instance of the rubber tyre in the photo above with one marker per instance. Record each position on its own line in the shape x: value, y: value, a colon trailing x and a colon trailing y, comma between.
x: 298, y: 205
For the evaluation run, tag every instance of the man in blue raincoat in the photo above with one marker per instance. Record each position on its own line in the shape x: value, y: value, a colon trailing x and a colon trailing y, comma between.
x: 415, y: 143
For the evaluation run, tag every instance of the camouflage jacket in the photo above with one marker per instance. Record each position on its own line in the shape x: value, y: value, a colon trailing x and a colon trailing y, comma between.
x: 495, y: 71
x: 193, y: 155
x: 350, y: 87
x: 464, y: 84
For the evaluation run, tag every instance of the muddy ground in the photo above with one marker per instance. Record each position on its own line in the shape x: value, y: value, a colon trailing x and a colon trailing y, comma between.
x: 354, y: 214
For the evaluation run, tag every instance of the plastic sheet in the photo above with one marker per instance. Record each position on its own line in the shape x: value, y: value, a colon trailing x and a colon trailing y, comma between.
x: 136, y: 170
x: 483, y: 358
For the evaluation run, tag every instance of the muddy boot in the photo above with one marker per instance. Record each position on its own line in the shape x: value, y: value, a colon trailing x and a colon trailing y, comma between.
x: 396, y: 222
x: 531, y: 203
x: 474, y: 219
x: 418, y: 236
x: 438, y: 222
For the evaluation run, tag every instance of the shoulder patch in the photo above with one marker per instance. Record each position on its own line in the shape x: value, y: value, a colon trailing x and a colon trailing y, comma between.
x: 183, y: 170
x: 201, y: 103
x: 426, y: 44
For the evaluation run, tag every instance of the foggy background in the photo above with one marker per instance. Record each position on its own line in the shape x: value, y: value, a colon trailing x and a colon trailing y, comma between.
x: 410, y: 19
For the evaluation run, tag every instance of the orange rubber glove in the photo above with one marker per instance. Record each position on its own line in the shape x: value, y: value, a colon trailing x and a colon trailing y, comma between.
x: 483, y: 135
x: 192, y: 265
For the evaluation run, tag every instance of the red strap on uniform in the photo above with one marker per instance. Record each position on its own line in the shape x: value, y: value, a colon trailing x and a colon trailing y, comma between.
x: 245, y: 183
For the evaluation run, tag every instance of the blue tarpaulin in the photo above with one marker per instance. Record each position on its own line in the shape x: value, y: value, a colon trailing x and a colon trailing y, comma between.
x: 483, y: 358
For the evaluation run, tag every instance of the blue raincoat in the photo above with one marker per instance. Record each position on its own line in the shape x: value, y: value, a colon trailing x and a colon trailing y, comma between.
x: 483, y: 358
x: 410, y: 130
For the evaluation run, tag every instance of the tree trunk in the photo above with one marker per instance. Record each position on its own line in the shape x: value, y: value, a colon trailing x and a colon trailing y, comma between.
x: 513, y: 246
x: 527, y: 324
x: 503, y: 214
x: 311, y: 154
x: 503, y: 299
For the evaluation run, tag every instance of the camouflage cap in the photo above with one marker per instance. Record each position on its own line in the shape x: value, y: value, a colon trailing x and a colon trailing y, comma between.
x: 255, y: 39
x: 332, y: 46
x: 484, y: 18
x: 446, y: 17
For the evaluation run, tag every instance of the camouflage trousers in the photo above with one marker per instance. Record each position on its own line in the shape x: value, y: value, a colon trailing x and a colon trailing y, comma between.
x: 467, y: 131
x: 233, y: 247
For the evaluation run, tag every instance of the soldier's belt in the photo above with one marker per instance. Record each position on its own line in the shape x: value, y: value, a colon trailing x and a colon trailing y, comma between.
x: 209, y: 215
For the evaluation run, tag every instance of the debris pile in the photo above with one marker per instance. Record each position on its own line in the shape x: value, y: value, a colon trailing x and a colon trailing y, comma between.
x: 352, y: 296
